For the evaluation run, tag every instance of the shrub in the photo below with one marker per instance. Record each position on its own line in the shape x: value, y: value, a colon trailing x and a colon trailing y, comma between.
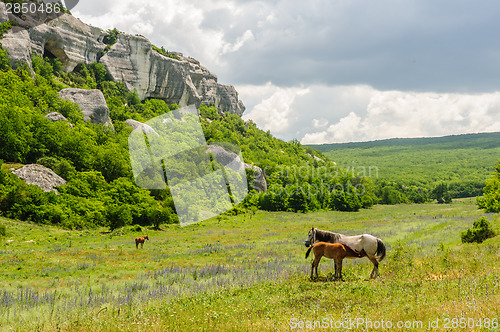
x: 481, y: 230
x: 119, y: 216
x: 3, y: 230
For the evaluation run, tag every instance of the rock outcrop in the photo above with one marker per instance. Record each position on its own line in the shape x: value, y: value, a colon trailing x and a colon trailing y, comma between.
x: 146, y: 129
x: 40, y: 176
x: 92, y: 104
x: 259, y: 181
x: 131, y: 60
x: 55, y: 116
x: 234, y: 162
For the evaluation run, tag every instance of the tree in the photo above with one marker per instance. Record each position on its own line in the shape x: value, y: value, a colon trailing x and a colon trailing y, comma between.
x: 441, y: 194
x: 118, y: 216
x: 490, y: 201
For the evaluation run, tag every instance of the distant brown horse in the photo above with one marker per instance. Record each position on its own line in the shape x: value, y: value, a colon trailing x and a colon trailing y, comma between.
x: 337, y: 251
x: 141, y: 241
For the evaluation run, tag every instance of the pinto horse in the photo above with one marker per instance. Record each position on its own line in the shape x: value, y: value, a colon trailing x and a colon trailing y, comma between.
x: 141, y: 241
x: 337, y: 251
x: 371, y: 246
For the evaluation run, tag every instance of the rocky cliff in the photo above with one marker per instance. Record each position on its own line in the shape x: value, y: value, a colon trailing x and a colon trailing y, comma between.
x: 131, y: 59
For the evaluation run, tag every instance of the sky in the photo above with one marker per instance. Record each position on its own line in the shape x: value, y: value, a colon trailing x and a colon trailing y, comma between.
x: 333, y: 71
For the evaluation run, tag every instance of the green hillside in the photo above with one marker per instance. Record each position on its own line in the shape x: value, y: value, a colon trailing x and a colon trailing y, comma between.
x: 94, y: 159
x: 463, y: 162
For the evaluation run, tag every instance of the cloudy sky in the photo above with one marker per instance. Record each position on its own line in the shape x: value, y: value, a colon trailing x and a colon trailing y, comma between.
x: 335, y: 70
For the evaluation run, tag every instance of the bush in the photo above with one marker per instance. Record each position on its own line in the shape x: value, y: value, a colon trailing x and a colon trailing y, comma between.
x: 481, y: 230
x: 490, y: 201
x: 119, y: 216
x: 3, y: 230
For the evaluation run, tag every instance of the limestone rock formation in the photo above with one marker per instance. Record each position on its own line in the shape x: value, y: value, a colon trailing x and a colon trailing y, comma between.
x: 91, y: 102
x: 40, y: 176
x: 131, y: 60
x: 55, y: 116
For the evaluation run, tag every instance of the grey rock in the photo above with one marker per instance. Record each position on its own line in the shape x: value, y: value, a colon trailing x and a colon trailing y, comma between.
x: 234, y: 162
x: 92, y: 104
x: 40, y: 176
x: 55, y: 116
x: 229, y: 159
x: 259, y: 181
x: 315, y: 157
x: 146, y: 129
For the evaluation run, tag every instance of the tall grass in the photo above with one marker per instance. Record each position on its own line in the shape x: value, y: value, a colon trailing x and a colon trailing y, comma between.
x: 242, y: 273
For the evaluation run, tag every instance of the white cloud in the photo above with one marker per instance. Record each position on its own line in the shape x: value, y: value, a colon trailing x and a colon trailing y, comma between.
x: 228, y: 47
x: 320, y: 123
x: 400, y: 114
x: 274, y: 113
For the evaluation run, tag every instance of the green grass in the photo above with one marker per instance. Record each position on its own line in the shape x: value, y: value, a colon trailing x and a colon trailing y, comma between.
x: 247, y: 273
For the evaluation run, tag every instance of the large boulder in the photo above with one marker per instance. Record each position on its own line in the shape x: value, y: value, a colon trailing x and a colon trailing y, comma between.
x: 40, y: 176
x: 259, y: 182
x: 91, y: 102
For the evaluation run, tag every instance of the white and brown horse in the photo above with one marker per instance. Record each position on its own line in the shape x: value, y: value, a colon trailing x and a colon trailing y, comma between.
x: 367, y: 244
x: 141, y: 241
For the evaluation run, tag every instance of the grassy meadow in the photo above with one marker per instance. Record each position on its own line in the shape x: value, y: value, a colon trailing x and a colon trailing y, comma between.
x: 248, y: 273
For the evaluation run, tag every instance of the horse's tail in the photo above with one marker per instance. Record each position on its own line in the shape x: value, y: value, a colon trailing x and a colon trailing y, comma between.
x: 308, y: 251
x: 380, y: 250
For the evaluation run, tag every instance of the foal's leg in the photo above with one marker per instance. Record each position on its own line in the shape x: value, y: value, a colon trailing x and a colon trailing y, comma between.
x: 316, y: 264
x: 340, y: 270
x: 374, y: 273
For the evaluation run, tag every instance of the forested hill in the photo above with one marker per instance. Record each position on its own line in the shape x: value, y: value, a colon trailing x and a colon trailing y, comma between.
x: 463, y: 162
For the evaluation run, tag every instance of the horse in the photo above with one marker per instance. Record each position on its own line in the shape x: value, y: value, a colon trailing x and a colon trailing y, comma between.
x: 337, y: 251
x: 141, y: 241
x: 372, y: 246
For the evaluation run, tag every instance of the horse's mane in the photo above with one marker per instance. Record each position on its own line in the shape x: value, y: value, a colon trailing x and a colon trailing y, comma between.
x: 327, y: 236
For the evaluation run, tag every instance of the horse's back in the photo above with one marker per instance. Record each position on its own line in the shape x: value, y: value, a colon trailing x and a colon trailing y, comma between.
x: 366, y: 243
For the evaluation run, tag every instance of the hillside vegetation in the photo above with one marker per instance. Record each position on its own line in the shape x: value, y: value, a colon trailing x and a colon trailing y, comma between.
x: 94, y: 159
x: 461, y: 162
